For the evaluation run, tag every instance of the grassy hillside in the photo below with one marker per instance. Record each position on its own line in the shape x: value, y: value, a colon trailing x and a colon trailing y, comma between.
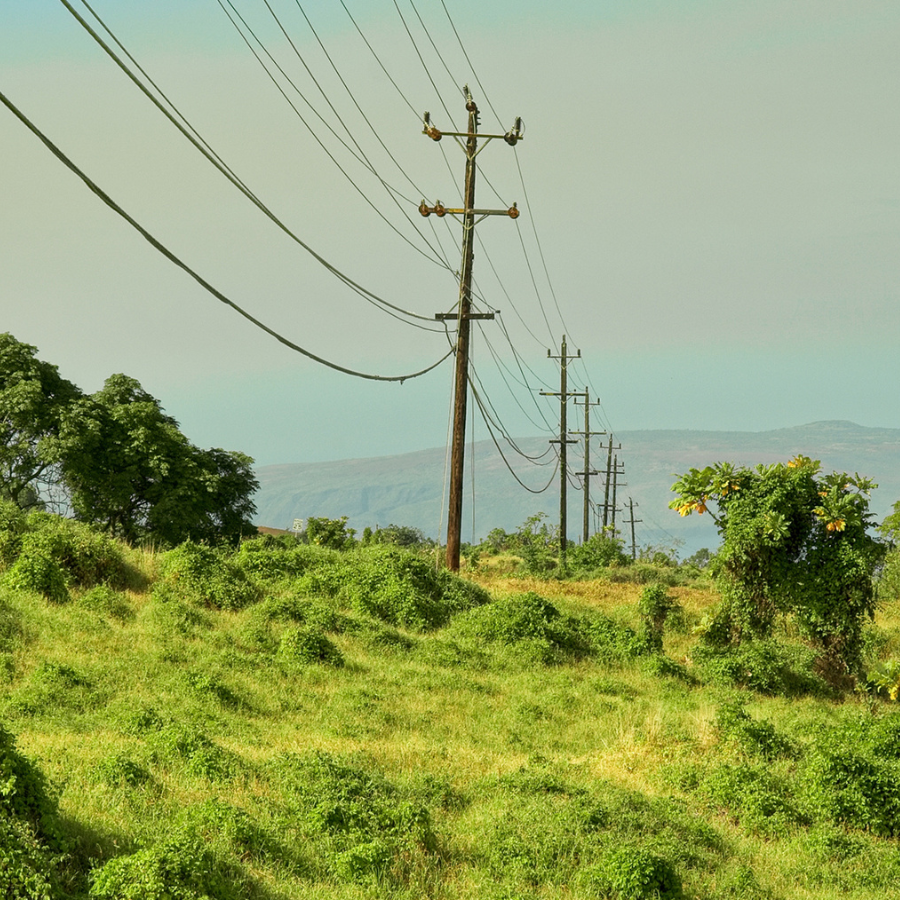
x: 292, y: 722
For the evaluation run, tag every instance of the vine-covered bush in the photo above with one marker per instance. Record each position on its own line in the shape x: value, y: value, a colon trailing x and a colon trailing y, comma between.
x: 205, y: 576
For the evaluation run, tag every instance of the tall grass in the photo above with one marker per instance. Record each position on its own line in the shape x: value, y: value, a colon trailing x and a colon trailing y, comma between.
x: 355, y: 726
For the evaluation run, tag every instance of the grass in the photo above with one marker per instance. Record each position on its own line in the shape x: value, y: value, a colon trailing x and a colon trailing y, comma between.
x: 295, y: 745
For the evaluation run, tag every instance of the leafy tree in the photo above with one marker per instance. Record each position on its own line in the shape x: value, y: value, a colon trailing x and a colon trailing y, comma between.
x: 33, y: 396
x: 331, y: 533
x: 793, y: 542
x: 129, y: 469
x: 889, y: 582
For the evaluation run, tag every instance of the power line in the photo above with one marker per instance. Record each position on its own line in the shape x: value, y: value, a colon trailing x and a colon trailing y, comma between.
x: 213, y: 158
x: 360, y: 159
x: 99, y: 192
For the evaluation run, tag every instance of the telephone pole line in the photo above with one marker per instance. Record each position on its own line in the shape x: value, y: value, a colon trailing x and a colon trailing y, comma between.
x: 586, y: 474
x: 615, y: 480
x: 463, y: 315
x: 563, y: 440
x: 631, y: 521
x: 609, y: 471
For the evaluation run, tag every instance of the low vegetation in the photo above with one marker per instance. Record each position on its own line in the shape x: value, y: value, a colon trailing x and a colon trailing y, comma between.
x: 341, y: 719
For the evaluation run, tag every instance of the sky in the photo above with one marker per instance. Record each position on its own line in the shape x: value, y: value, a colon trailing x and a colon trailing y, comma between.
x: 710, y: 197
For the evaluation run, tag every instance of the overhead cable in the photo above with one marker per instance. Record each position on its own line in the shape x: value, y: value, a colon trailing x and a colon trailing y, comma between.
x: 96, y: 189
x: 236, y: 182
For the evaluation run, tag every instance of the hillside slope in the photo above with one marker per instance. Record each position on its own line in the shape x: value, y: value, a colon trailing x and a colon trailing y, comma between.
x: 408, y: 489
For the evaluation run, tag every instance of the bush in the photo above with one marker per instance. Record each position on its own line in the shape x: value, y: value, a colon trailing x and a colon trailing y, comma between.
x: 104, y: 600
x: 765, y: 666
x: 362, y: 825
x: 756, y: 738
x: 37, y: 570
x: 308, y: 645
x: 600, y: 551
x: 634, y: 873
x: 852, y: 774
x: 528, y: 619
x: 204, y: 576
x: 181, y: 867
x: 403, y: 589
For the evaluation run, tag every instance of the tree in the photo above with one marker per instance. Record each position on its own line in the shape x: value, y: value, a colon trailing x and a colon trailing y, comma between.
x: 793, y: 542
x: 129, y: 469
x: 33, y: 397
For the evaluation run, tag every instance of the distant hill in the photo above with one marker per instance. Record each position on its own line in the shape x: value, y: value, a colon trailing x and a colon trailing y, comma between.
x: 408, y: 489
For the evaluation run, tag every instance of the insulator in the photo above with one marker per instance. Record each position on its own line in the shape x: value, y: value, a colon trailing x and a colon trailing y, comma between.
x: 513, y: 212
x: 433, y: 133
x: 440, y: 210
x: 424, y: 209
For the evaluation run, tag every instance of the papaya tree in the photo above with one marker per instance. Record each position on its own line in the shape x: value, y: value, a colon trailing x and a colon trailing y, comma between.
x: 795, y: 542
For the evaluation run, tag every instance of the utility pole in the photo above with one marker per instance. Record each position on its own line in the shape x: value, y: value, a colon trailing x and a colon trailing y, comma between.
x: 609, y: 470
x: 586, y: 474
x: 632, y: 520
x: 563, y: 440
x: 615, y: 479
x: 463, y: 315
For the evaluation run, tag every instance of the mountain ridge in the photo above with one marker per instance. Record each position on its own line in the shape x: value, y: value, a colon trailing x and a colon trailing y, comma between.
x: 407, y: 488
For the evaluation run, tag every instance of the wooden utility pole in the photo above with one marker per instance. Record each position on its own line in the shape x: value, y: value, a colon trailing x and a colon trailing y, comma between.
x: 463, y: 315
x: 609, y: 471
x: 586, y: 474
x: 563, y: 440
x: 632, y: 520
x: 615, y: 480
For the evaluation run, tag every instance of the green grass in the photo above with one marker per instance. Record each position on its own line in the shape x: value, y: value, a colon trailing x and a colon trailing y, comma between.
x: 323, y: 725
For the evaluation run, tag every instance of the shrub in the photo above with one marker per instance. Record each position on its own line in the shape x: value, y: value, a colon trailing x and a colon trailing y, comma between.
x: 757, y: 738
x: 400, y: 588
x: 762, y: 802
x: 363, y: 826
x: 119, y: 769
x: 204, y: 576
x: 528, y: 619
x: 765, y: 666
x: 634, y: 873
x: 87, y: 556
x: 195, y: 751
x: 599, y: 552
x: 104, y: 600
x: 181, y: 867
x: 36, y: 569
x: 308, y: 645
x: 852, y: 774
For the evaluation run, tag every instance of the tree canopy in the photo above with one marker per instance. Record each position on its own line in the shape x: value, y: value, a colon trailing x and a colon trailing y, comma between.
x: 33, y: 397
x: 122, y: 462
x: 793, y: 542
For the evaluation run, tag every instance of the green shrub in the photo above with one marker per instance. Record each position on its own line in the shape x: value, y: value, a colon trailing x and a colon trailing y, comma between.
x: 308, y: 645
x: 204, y: 576
x: 655, y: 607
x: 273, y: 561
x: 852, y: 774
x: 12, y: 527
x: 25, y: 865
x: 181, y: 867
x: 599, y: 552
x: 36, y: 569
x: 119, y: 769
x: 363, y: 827
x: 761, y: 801
x: 634, y: 873
x: 193, y: 750
x: 756, y: 738
x: 53, y: 687
x: 400, y: 588
x: 106, y: 601
x: 24, y: 795
x: 766, y: 666
x: 531, y: 620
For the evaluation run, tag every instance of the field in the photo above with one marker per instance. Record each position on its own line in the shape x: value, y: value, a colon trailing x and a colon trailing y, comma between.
x: 294, y: 722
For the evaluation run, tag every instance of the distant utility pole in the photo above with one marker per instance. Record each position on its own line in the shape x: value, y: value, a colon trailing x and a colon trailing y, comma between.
x: 609, y: 471
x: 615, y: 480
x: 463, y: 315
x: 563, y: 440
x: 631, y: 521
x: 586, y: 474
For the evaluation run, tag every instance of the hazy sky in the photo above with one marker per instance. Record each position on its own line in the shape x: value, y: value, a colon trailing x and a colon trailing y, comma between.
x: 715, y: 188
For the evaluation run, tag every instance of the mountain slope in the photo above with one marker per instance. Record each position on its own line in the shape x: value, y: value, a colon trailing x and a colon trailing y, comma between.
x: 408, y: 489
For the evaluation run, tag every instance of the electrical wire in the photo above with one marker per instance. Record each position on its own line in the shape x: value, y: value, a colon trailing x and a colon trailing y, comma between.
x: 422, y: 60
x: 99, y: 192
x: 436, y: 258
x: 512, y: 472
x: 211, y: 157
